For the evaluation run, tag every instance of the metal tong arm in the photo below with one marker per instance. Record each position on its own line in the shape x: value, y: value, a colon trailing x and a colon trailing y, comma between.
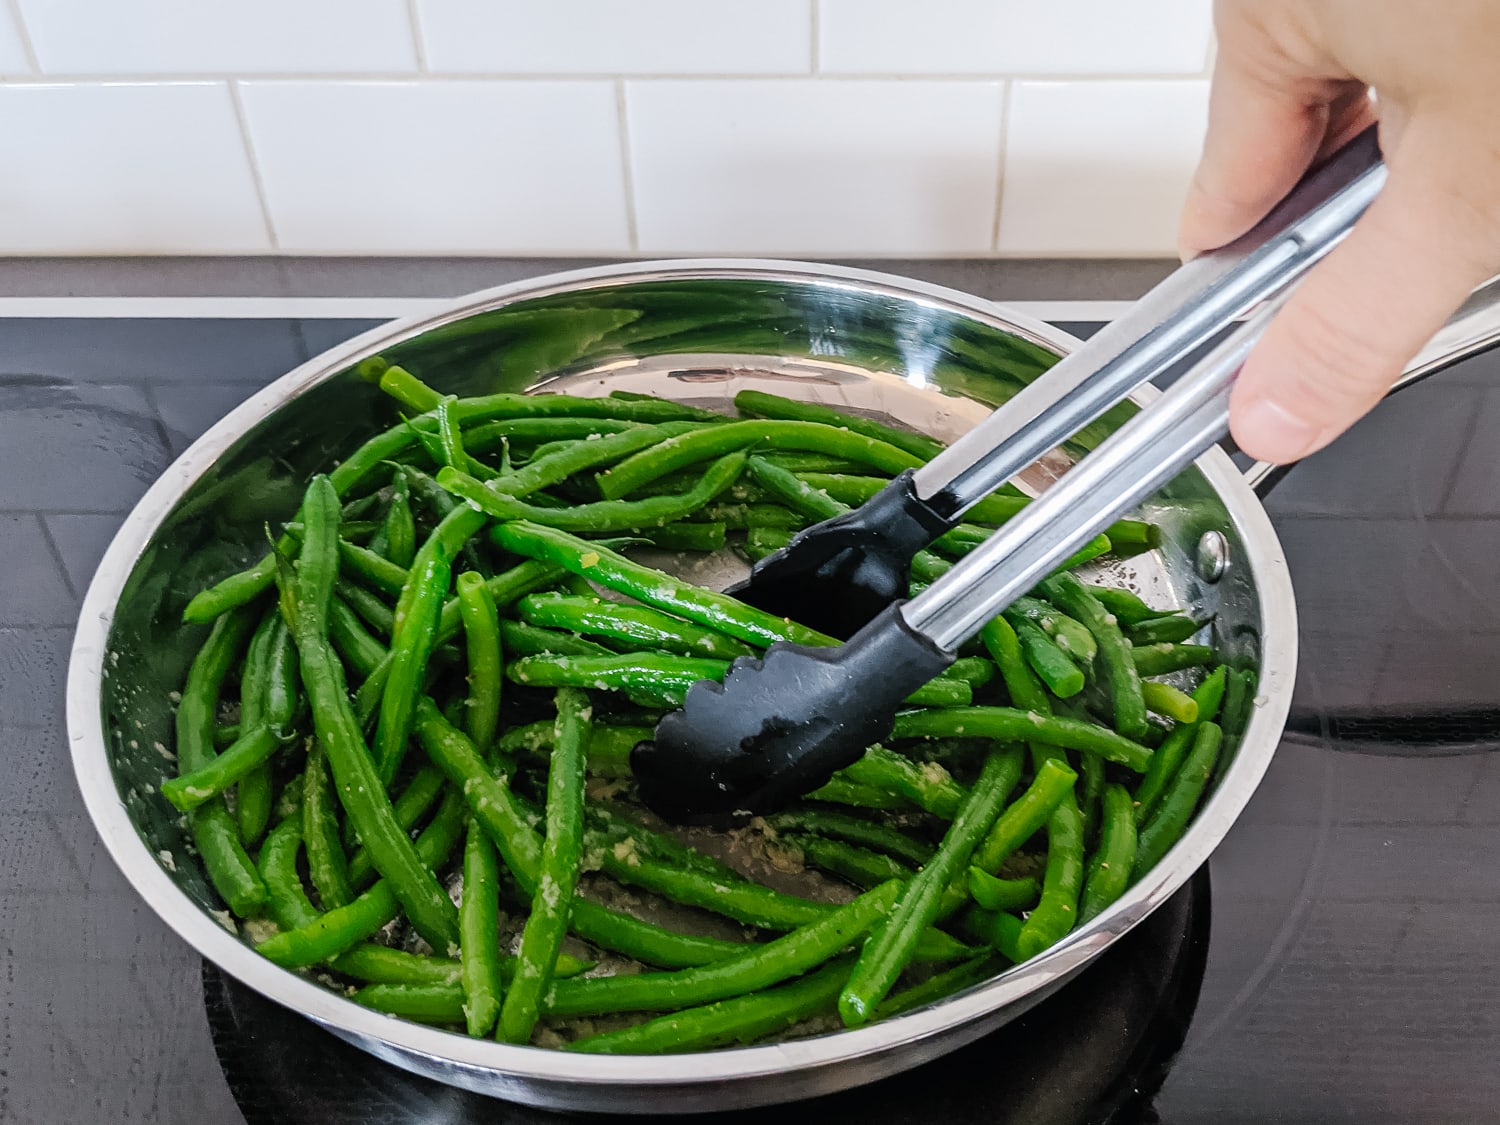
x: 1180, y: 314
x: 1149, y: 450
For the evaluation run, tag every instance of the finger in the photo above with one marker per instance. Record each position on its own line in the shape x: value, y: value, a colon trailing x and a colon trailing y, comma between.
x: 1264, y: 129
x: 1343, y: 338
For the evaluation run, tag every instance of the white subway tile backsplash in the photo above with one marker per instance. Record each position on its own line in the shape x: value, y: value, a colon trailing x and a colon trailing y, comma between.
x: 446, y: 168
x: 120, y: 168
x: 12, y: 53
x: 1098, y: 168
x: 1013, y: 36
x: 616, y: 37
x: 114, y: 37
x: 805, y: 167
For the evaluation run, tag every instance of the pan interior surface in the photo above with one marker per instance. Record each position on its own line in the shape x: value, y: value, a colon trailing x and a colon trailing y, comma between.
x: 905, y: 355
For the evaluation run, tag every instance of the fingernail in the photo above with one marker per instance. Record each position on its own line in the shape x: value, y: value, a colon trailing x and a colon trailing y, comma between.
x: 1268, y: 431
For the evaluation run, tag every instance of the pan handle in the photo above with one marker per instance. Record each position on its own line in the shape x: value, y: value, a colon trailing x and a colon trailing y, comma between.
x: 1473, y: 329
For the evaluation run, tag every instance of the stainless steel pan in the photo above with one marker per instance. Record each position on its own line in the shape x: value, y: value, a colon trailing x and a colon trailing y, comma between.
x: 697, y: 331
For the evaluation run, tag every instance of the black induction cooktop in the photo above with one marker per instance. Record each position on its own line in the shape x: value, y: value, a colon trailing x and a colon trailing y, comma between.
x: 1339, y: 960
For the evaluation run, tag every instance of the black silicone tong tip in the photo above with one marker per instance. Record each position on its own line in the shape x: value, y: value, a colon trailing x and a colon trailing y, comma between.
x: 838, y: 575
x: 779, y: 726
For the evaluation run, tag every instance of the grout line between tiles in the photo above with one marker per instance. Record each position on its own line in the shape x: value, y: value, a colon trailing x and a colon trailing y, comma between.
x: 1471, y: 429
x: 1005, y: 90
x: 419, y: 42
x: 324, y: 78
x: 57, y: 557
x: 255, y: 176
x: 815, y: 35
x: 627, y: 172
x: 27, y: 46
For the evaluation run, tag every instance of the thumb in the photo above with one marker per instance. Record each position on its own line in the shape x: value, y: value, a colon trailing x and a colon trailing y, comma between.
x: 1342, y: 339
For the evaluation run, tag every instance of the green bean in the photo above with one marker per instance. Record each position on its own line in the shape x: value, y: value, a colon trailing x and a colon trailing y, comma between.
x: 763, y: 541
x: 330, y: 934
x: 1168, y: 756
x: 519, y: 639
x: 360, y: 788
x: 290, y: 907
x: 938, y: 987
x: 1169, y: 629
x: 414, y: 635
x: 758, y: 967
x: 656, y: 676
x: 252, y: 796
x: 545, y: 470
x: 740, y: 1019
x: 1057, y: 911
x: 928, y: 786
x: 1109, y: 870
x: 1021, y: 682
x: 889, y: 951
x: 1239, y: 695
x: 1091, y: 772
x: 645, y: 411
x: 685, y: 536
x: 854, y: 830
x: 638, y: 625
x: 486, y: 658
x: 367, y: 606
x: 1158, y: 660
x: 850, y: 862
x: 214, y: 830
x: 765, y: 405
x: 842, y: 791
x: 1128, y: 609
x: 420, y: 794
x: 1165, y: 826
x: 512, y: 431
x: 188, y: 791
x: 1001, y: 930
x: 479, y: 926
x: 562, y: 849
x: 1011, y: 724
x: 975, y: 671
x: 361, y: 651
x: 792, y: 491
x: 504, y: 588
x: 421, y: 1003
x: 609, y: 746
x: 1069, y: 635
x: 1055, y: 668
x: 407, y: 389
x: 400, y: 528
x: 1001, y: 894
x: 491, y: 803
x: 1115, y: 659
x: 1166, y: 700
x: 1024, y: 817
x: 326, y: 864
x: 715, y: 441
x: 377, y: 571
x: 606, y: 515
x: 662, y: 591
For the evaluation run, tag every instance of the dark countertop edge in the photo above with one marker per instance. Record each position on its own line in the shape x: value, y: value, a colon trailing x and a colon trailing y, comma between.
x: 1079, y: 279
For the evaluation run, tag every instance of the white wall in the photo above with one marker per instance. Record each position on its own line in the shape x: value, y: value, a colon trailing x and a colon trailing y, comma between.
x: 599, y: 127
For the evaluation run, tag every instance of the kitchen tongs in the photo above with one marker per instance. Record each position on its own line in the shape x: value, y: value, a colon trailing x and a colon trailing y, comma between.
x: 839, y: 574
x: 779, y: 726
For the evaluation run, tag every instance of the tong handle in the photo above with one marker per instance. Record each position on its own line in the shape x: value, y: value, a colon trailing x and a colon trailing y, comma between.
x: 1182, y: 313
x: 1149, y: 450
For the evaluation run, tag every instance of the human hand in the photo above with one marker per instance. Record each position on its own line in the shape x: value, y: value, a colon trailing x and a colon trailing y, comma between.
x: 1291, y: 83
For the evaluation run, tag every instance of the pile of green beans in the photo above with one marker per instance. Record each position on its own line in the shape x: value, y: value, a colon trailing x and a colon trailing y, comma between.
x: 436, y: 677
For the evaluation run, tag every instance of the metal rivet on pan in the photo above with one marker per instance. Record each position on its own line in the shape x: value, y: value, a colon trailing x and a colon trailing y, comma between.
x: 1213, y: 556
